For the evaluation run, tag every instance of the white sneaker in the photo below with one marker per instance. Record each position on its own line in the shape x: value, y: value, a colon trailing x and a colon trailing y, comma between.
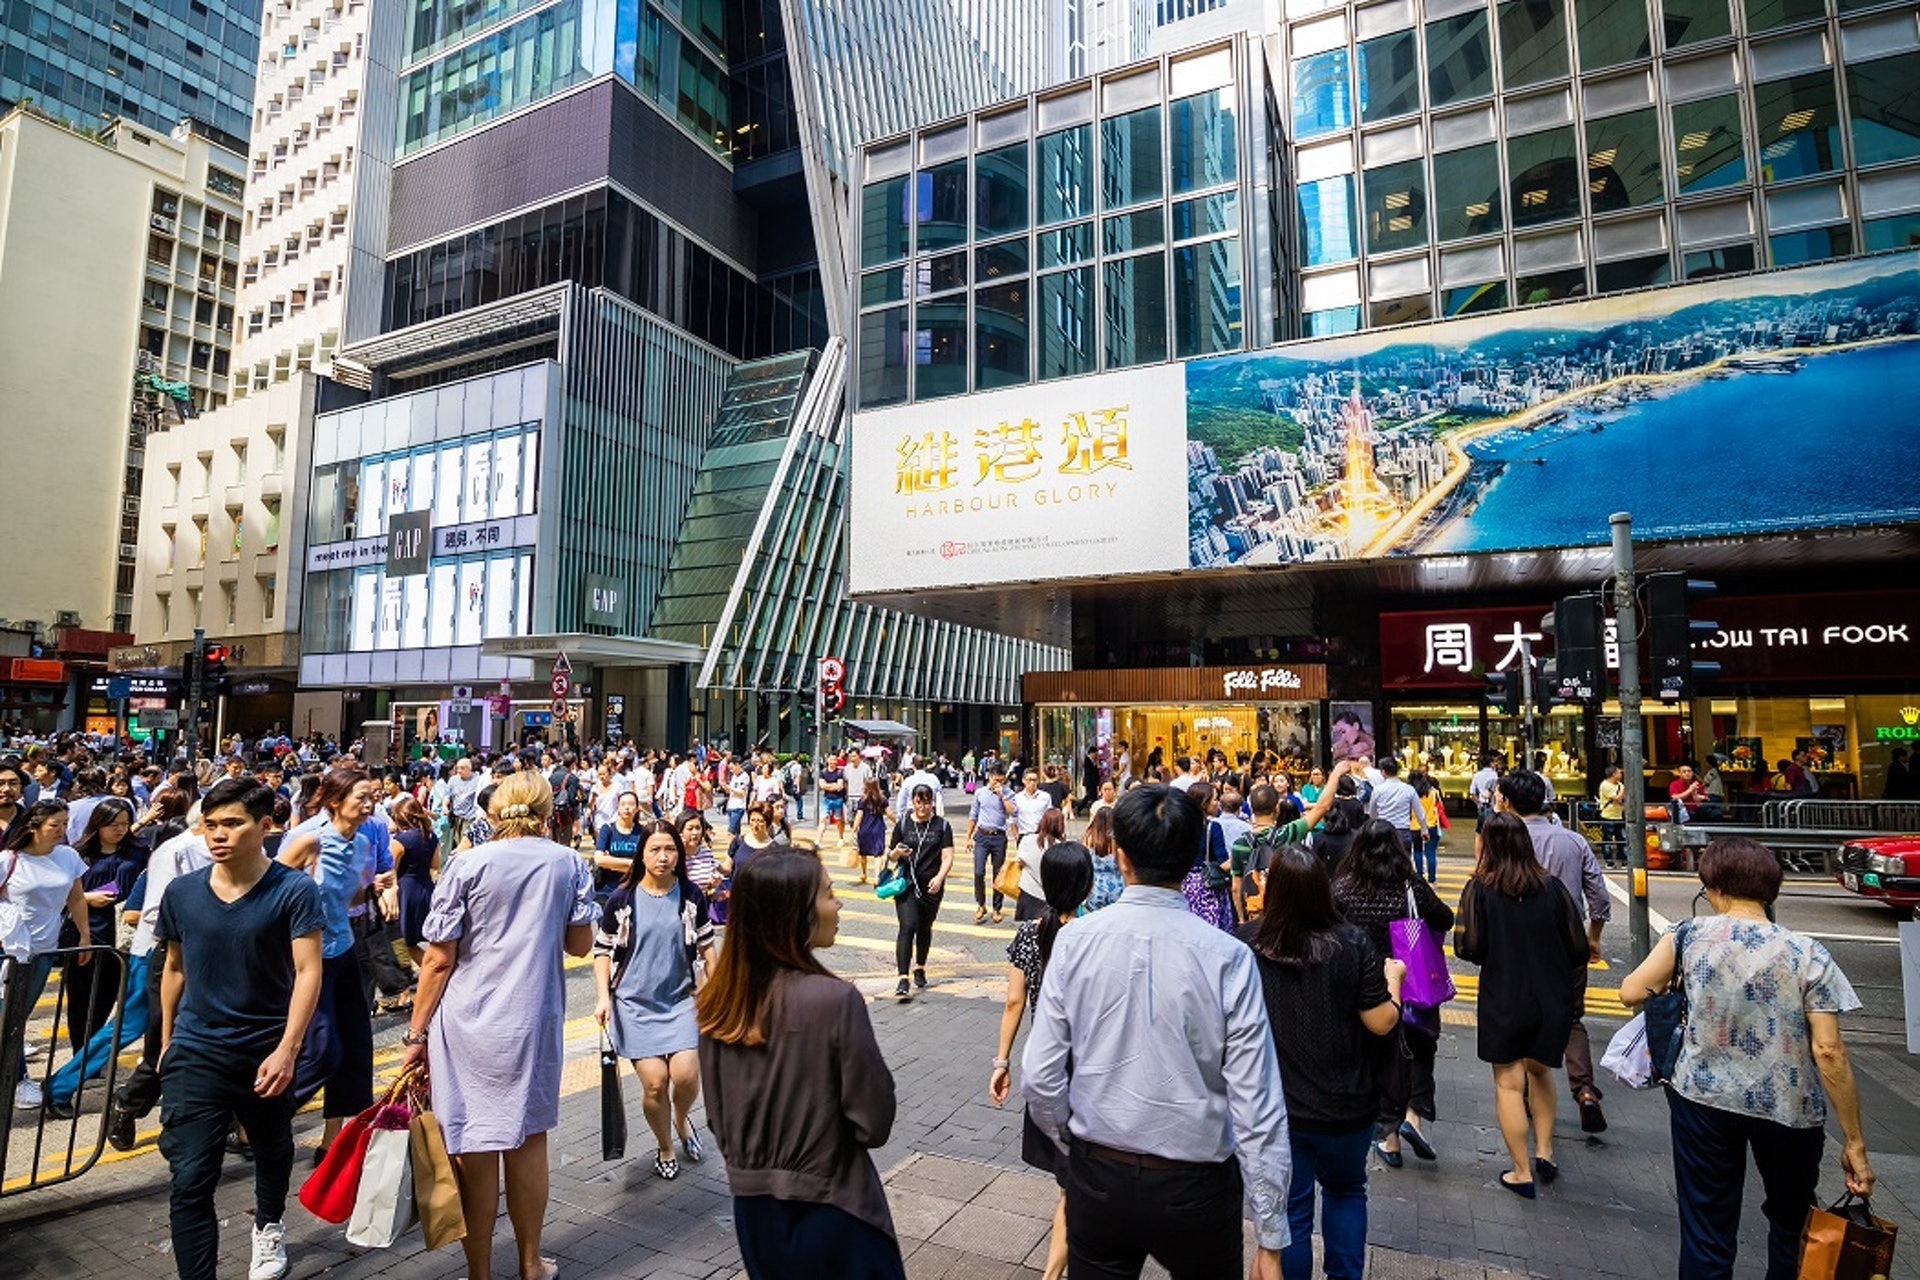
x: 269, y: 1252
x: 27, y: 1096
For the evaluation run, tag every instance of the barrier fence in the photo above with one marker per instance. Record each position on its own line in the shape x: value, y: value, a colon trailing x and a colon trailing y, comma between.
x: 63, y: 1025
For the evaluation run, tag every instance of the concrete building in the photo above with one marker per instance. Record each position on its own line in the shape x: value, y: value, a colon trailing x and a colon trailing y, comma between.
x: 119, y: 262
x: 152, y: 62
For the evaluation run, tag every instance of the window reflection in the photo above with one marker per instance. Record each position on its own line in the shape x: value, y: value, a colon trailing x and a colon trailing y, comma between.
x: 1326, y: 221
x: 1396, y: 211
x: 1205, y: 149
x: 1623, y: 161
x: 1533, y: 41
x: 1322, y: 94
x: 1389, y: 76
x: 1136, y: 310
x: 1799, y: 122
x: 1459, y: 58
x: 1546, y: 179
x: 1466, y: 192
x: 1883, y: 99
x: 1709, y: 150
x: 1130, y: 167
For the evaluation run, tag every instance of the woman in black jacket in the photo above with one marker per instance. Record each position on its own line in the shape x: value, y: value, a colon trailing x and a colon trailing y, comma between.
x: 1372, y: 888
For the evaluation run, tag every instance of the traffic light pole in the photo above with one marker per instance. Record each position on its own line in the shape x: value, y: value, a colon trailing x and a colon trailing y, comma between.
x: 195, y: 690
x: 1632, y: 741
x: 1526, y: 702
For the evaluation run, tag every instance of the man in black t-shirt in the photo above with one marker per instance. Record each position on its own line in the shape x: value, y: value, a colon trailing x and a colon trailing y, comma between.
x: 242, y: 975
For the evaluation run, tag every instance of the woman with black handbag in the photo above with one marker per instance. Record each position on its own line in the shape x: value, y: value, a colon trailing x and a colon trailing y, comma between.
x: 1761, y: 1009
x: 922, y: 843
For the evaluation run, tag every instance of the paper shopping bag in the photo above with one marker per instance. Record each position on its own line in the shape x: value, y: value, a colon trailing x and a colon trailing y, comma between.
x: 436, y: 1194
x: 383, y: 1208
x: 1846, y: 1242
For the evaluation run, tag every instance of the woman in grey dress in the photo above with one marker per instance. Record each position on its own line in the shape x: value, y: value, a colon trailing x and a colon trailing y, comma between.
x: 655, y: 932
x: 503, y: 914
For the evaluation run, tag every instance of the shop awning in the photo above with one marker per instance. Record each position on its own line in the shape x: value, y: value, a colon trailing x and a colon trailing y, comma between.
x: 881, y: 728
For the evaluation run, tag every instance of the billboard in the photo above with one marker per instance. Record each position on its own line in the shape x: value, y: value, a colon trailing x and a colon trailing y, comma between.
x: 1738, y: 406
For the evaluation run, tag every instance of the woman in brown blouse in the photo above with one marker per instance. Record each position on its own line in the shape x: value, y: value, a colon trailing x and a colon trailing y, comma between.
x: 797, y: 1092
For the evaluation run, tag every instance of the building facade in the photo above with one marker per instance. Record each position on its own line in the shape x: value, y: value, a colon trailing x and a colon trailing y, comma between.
x: 90, y: 61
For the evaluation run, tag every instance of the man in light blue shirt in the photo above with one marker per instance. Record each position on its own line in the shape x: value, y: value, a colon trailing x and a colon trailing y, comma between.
x: 987, y: 820
x: 1152, y: 1062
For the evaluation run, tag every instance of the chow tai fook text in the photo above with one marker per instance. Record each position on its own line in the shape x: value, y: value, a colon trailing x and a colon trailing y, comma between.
x: 1848, y: 635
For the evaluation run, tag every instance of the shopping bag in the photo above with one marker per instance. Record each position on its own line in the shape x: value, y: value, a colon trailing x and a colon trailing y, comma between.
x: 1007, y: 882
x: 330, y: 1190
x: 1846, y: 1242
x: 613, y: 1107
x: 383, y: 1208
x: 1427, y: 982
x: 1627, y: 1055
x: 436, y: 1194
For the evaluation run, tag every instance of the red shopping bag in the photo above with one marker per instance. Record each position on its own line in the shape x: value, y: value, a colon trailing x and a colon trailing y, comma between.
x: 329, y: 1191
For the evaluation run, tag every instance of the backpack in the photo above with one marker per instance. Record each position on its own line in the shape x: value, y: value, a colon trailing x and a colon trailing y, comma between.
x: 1260, y: 847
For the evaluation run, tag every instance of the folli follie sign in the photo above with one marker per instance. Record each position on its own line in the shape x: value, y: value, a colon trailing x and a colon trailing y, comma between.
x: 1265, y: 682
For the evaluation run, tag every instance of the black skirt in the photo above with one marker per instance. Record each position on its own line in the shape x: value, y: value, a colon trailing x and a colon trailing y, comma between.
x: 1041, y: 1152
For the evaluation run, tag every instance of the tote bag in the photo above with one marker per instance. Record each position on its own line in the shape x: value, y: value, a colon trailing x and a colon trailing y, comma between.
x: 383, y: 1207
x: 1427, y: 984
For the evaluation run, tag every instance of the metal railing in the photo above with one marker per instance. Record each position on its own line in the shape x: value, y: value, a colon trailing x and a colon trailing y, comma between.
x: 1859, y: 817
x: 40, y: 1148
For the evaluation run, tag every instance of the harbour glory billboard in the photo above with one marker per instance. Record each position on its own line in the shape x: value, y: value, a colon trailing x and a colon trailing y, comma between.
x: 1758, y: 404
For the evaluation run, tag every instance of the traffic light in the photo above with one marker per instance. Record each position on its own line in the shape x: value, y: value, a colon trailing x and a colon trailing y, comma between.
x: 1505, y: 691
x: 1546, y: 690
x: 833, y: 696
x: 1672, y: 633
x: 190, y: 669
x: 213, y: 672
x: 1579, y: 662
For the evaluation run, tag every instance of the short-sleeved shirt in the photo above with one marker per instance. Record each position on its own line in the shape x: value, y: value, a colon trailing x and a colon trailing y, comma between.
x: 617, y: 844
x: 39, y: 885
x: 238, y: 956
x: 1023, y: 953
x: 1748, y: 1048
x: 926, y: 839
x: 1253, y: 850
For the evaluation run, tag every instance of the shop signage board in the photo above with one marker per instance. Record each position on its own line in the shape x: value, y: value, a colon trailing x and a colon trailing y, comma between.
x: 603, y: 599
x: 409, y: 544
x: 1471, y: 435
x: 1268, y: 682
x: 1827, y: 637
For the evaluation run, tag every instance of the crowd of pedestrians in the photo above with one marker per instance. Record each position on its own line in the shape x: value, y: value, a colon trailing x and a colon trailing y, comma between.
x: 1214, y: 978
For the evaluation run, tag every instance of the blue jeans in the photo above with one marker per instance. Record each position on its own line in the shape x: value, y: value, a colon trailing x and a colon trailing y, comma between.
x: 92, y: 1059
x: 1426, y: 852
x: 26, y: 983
x: 799, y: 806
x: 1338, y: 1163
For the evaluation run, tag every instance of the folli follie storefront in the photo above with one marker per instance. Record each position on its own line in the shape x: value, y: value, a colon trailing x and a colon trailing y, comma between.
x: 1156, y: 715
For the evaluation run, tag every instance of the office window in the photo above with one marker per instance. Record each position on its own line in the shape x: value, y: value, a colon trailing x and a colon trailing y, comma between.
x: 1691, y: 21
x: 1902, y: 231
x: 1064, y: 175
x: 941, y: 274
x: 1883, y: 102
x: 1205, y: 148
x: 879, y: 287
x: 1000, y: 191
x: 1799, y: 122
x: 1396, y: 206
x: 1459, y: 58
x: 995, y: 261
x: 1000, y: 335
x: 1549, y: 286
x: 1136, y: 310
x: 1623, y: 161
x: 1765, y: 15
x: 1545, y: 177
x: 1812, y: 245
x: 1066, y: 245
x: 1611, y: 32
x: 1725, y: 260
x: 1399, y: 311
x: 1473, y: 298
x: 883, y: 362
x: 1389, y: 75
x: 883, y: 221
x: 1533, y: 41
x: 1334, y: 320
x: 1327, y: 231
x: 1206, y: 215
x: 522, y: 63
x: 1322, y: 94
x: 1466, y: 192
x: 1632, y: 273
x: 940, y: 205
x: 1140, y: 229
x: 1206, y: 297
x: 1066, y: 323
x: 1130, y: 166
x: 1709, y: 151
x: 940, y: 349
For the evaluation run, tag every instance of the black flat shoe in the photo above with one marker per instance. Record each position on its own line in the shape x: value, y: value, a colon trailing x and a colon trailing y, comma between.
x: 1392, y: 1159
x: 1545, y: 1171
x: 920, y: 979
x: 1418, y: 1141
x: 903, y: 991
x: 1522, y: 1189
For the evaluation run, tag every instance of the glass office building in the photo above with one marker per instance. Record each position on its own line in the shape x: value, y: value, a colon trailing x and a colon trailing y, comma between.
x: 1454, y: 157
x: 1107, y: 223
x: 153, y: 62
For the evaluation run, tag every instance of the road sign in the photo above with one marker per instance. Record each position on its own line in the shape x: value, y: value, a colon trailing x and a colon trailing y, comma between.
x: 539, y: 719
x: 460, y: 706
x: 560, y: 707
x: 562, y: 666
x: 560, y: 684
x: 500, y: 704
x: 119, y: 687
x: 160, y: 719
x: 832, y: 671
x: 463, y: 693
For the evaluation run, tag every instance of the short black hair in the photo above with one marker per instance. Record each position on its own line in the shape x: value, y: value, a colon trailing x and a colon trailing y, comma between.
x: 1161, y: 830
x: 1740, y: 867
x: 922, y: 792
x: 1525, y: 790
x: 247, y: 792
x: 1390, y: 766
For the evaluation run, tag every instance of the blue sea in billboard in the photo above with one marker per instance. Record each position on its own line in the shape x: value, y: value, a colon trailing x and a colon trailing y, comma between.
x: 1752, y: 405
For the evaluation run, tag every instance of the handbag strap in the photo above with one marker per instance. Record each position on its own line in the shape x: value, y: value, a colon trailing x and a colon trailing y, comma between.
x: 1413, y: 909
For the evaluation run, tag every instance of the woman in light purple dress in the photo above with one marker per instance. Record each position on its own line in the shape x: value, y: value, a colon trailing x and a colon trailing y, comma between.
x: 503, y: 913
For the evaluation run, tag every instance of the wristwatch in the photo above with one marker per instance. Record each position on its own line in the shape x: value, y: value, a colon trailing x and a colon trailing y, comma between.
x: 410, y: 1037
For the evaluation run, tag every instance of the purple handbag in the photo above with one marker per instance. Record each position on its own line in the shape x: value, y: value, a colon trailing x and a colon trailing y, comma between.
x: 1427, y: 984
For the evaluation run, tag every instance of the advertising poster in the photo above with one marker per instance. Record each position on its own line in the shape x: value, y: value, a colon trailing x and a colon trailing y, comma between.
x: 1352, y: 735
x: 1063, y: 479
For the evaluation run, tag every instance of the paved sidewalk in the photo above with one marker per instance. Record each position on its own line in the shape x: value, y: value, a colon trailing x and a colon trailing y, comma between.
x: 1611, y: 1215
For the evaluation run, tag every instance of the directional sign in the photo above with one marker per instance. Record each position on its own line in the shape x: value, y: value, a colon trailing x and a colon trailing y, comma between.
x: 560, y: 684
x: 562, y: 666
x: 539, y: 719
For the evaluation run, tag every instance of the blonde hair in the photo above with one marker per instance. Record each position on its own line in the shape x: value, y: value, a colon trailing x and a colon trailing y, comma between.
x: 521, y: 805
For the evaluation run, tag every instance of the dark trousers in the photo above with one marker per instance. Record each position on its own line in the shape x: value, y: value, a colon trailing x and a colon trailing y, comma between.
x: 204, y: 1091
x: 915, y: 914
x: 795, y: 1240
x: 142, y: 1088
x: 1408, y: 1084
x: 1579, y: 1059
x: 989, y: 848
x: 380, y: 969
x: 91, y: 993
x: 338, y: 1051
x: 1118, y: 1215
x: 1710, y: 1172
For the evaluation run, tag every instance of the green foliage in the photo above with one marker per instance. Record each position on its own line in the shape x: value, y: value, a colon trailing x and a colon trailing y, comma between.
x: 1234, y: 431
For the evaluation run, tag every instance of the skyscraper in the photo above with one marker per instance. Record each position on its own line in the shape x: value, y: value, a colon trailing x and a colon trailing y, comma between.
x: 151, y: 62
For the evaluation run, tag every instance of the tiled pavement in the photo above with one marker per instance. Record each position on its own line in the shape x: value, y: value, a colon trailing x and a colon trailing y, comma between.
x: 964, y: 1204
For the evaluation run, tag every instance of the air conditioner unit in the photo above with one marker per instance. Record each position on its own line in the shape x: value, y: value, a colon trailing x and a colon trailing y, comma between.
x: 162, y: 223
x: 66, y: 618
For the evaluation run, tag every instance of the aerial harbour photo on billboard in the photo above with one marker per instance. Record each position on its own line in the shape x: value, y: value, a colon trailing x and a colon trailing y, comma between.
x: 1779, y: 401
